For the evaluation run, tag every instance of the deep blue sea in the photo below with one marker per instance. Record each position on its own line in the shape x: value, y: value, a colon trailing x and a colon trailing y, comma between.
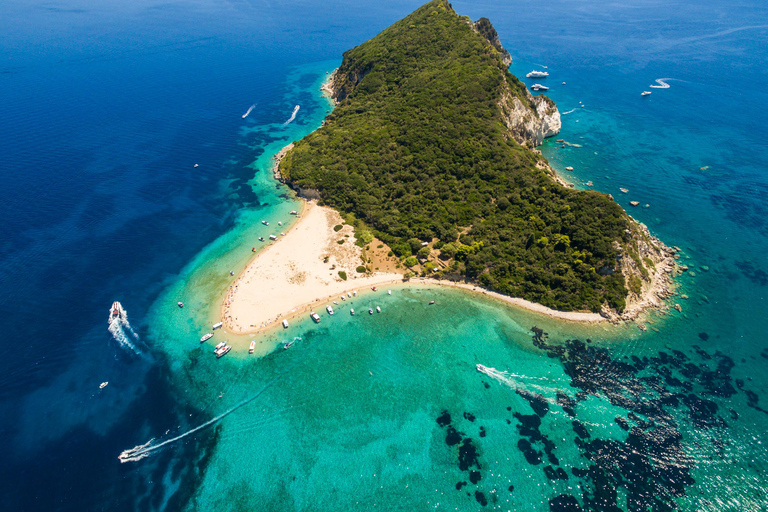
x: 127, y: 172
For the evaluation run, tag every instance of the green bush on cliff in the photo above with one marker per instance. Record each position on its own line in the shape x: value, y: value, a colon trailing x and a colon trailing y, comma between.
x: 417, y: 149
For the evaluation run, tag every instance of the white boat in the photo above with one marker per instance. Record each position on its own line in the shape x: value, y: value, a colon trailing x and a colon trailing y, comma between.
x: 261, y: 239
x: 349, y: 295
x: 116, y: 312
x: 217, y: 326
x: 272, y: 237
x: 539, y: 87
x: 279, y: 223
x: 352, y: 311
x: 329, y: 309
x: 265, y: 223
x: 315, y: 317
x: 252, y: 347
x: 370, y: 311
x: 288, y: 345
x: 378, y: 309
x: 223, y: 351
x: 206, y: 337
x: 431, y: 302
x: 537, y: 74
x: 645, y: 93
x: 285, y: 324
x: 180, y: 304
x: 220, y: 346
x: 293, y: 212
x: 343, y: 298
x: 335, y: 303
x: 354, y: 293
x: 103, y: 385
x: 389, y: 292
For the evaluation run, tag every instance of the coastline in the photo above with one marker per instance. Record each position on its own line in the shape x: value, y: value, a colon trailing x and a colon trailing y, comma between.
x: 248, y: 293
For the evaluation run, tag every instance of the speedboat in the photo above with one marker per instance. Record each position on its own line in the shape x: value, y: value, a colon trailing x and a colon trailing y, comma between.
x: 252, y: 347
x: 315, y: 317
x: 645, y: 93
x: 539, y: 87
x: 537, y: 74
x: 217, y: 326
x: 352, y: 311
x: 223, y: 351
x: 329, y: 309
x: 116, y: 311
x: 288, y: 345
x: 206, y: 337
x: 378, y: 309
x: 220, y: 346
x: 370, y: 311
x: 261, y: 239
x: 103, y: 385
x: 265, y: 223
x: 285, y: 324
x: 180, y: 304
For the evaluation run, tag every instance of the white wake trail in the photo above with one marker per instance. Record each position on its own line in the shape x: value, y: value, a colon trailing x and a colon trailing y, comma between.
x: 662, y: 83
x: 250, y: 109
x: 507, y: 379
x: 574, y: 110
x: 145, y: 450
x: 293, y: 115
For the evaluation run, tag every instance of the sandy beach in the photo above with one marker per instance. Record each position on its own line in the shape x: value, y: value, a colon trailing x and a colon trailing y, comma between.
x: 298, y: 272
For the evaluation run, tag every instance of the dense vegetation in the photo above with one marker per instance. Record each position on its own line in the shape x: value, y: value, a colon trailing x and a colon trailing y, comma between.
x: 416, y: 148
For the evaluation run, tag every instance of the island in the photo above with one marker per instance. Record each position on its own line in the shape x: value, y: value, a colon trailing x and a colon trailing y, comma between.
x: 426, y: 169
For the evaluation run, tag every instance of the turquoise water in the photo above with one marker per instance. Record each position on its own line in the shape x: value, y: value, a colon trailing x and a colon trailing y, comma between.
x: 106, y: 114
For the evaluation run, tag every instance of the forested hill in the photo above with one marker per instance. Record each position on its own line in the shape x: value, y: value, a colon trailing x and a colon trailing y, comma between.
x: 431, y: 142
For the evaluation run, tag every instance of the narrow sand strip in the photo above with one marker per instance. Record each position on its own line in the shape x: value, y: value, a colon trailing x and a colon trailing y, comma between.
x: 300, y: 273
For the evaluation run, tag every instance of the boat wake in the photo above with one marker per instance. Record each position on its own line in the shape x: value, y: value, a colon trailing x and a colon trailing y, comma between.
x: 249, y: 110
x: 507, y: 379
x: 293, y: 115
x: 145, y: 450
x: 121, y: 329
x: 662, y: 83
x: 564, y: 113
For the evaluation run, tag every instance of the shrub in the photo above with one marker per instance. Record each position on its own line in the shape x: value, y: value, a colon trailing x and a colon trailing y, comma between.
x: 337, y: 227
x: 423, y: 252
x: 411, y: 261
x: 361, y: 269
x: 340, y: 241
x: 343, y: 275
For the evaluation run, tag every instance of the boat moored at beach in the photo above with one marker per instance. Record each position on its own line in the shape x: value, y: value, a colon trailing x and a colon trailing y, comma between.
x: 220, y: 346
x: 272, y: 237
x: 315, y: 317
x: 285, y: 324
x: 329, y: 309
x: 378, y: 309
x: 217, y: 326
x: 252, y: 347
x: 206, y: 337
x: 352, y: 311
x: 265, y: 223
x: 223, y: 351
x: 370, y: 311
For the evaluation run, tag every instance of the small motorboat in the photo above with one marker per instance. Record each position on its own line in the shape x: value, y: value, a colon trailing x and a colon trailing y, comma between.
x: 252, y: 347
x: 335, y: 303
x: 231, y: 272
x: 288, y: 345
x: 265, y: 223
x: 261, y: 239
x: 373, y: 288
x: 343, y: 298
x: 293, y: 212
x: 378, y: 309
x: 206, y: 337
x: 223, y: 351
x: 431, y: 302
x: 220, y: 346
x: 389, y: 292
x: 352, y: 311
x: 285, y: 324
x: 349, y: 295
x: 645, y: 93
x: 329, y: 309
x: 217, y: 326
x: 315, y: 317
x: 279, y: 223
x: 370, y: 311
x: 354, y: 294
x: 180, y: 304
x: 103, y: 385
